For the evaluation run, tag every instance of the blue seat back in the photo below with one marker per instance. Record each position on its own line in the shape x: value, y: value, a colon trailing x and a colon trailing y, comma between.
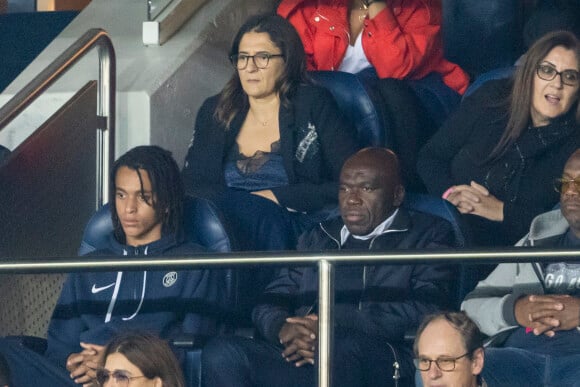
x: 202, y: 224
x: 498, y: 73
x: 355, y: 100
x: 482, y: 35
x: 468, y: 274
x: 436, y: 206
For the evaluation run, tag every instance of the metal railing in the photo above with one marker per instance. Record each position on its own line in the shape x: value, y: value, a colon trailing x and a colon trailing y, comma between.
x: 95, y: 37
x: 326, y: 263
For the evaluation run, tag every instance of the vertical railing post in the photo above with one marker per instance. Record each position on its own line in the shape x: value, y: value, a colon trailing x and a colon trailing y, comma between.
x: 325, y: 322
x: 106, y: 127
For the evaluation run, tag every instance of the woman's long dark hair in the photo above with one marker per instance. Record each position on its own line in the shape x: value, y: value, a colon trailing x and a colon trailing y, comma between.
x: 523, y: 87
x: 233, y: 99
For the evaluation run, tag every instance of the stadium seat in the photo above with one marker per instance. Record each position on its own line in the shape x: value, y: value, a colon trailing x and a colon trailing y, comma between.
x: 202, y: 224
x: 469, y: 274
x: 436, y: 206
x: 498, y: 73
x: 357, y: 103
x: 482, y: 35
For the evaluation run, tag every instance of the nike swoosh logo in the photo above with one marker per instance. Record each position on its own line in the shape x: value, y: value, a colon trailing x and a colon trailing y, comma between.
x: 96, y: 289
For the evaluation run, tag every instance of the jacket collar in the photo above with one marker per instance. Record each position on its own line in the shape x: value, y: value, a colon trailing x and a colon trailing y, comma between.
x: 158, y: 247
x: 289, y: 6
x: 401, y: 223
x: 547, y: 225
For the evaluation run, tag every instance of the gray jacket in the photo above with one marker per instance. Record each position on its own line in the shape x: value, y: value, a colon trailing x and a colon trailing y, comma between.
x: 491, y: 303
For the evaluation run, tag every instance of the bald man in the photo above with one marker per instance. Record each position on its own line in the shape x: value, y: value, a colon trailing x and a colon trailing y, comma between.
x: 533, y: 309
x: 374, y: 305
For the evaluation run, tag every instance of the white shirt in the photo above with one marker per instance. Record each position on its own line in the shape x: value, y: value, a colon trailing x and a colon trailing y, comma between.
x: 344, y: 233
x: 355, y: 59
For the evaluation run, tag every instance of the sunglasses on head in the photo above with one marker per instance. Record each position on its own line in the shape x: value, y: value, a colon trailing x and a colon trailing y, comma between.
x: 121, y: 378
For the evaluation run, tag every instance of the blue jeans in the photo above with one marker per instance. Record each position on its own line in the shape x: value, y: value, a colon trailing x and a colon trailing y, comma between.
x: 518, y: 367
x: 359, y: 361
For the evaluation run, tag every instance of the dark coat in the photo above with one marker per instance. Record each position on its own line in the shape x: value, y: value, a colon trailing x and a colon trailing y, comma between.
x: 315, y: 140
x: 393, y: 298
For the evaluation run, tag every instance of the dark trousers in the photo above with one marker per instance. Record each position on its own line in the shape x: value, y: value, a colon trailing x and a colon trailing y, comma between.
x: 30, y: 369
x: 259, y: 224
x: 359, y: 361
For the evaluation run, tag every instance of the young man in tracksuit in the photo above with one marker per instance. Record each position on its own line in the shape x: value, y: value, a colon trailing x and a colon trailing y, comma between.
x: 147, y: 217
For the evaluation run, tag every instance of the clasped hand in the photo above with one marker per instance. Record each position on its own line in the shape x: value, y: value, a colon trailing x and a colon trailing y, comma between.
x: 299, y: 336
x: 547, y: 314
x: 83, y: 365
x: 475, y: 199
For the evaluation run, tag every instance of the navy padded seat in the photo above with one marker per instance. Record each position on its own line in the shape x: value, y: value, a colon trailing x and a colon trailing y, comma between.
x: 499, y: 73
x: 202, y: 224
x: 441, y: 208
x: 482, y: 35
x: 357, y: 102
x: 468, y: 274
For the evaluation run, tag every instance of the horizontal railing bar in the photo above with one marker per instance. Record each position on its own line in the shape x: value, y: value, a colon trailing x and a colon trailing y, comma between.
x: 283, y: 258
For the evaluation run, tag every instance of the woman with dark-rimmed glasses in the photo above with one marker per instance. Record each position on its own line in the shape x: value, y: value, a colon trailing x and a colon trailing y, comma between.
x: 493, y: 157
x: 269, y: 147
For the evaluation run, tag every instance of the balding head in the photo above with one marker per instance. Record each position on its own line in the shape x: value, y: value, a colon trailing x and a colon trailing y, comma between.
x: 370, y: 189
x: 384, y: 161
x: 570, y: 195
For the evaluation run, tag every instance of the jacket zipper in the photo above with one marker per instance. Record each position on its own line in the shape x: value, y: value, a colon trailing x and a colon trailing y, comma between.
x: 396, y: 366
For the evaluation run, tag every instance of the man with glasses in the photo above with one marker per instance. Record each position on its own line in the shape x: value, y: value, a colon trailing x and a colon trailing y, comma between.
x: 449, y: 351
x: 532, y: 309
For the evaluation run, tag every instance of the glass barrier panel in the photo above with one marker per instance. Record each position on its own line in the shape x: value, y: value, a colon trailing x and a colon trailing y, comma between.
x: 155, y: 7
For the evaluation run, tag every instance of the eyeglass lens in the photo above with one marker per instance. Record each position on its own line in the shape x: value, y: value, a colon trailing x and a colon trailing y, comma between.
x: 120, y: 378
x: 563, y: 185
x: 569, y: 77
x: 260, y: 60
x: 443, y: 364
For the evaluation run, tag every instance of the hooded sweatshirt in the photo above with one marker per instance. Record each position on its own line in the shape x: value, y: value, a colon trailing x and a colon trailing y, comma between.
x: 93, y: 307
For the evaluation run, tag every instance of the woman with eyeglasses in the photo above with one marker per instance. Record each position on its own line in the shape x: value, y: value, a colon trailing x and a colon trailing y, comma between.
x: 269, y: 147
x: 139, y: 360
x: 493, y: 157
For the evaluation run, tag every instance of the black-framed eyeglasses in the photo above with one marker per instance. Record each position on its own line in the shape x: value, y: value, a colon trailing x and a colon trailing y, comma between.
x: 446, y: 364
x: 547, y: 73
x: 562, y: 184
x: 261, y: 60
x: 120, y: 377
